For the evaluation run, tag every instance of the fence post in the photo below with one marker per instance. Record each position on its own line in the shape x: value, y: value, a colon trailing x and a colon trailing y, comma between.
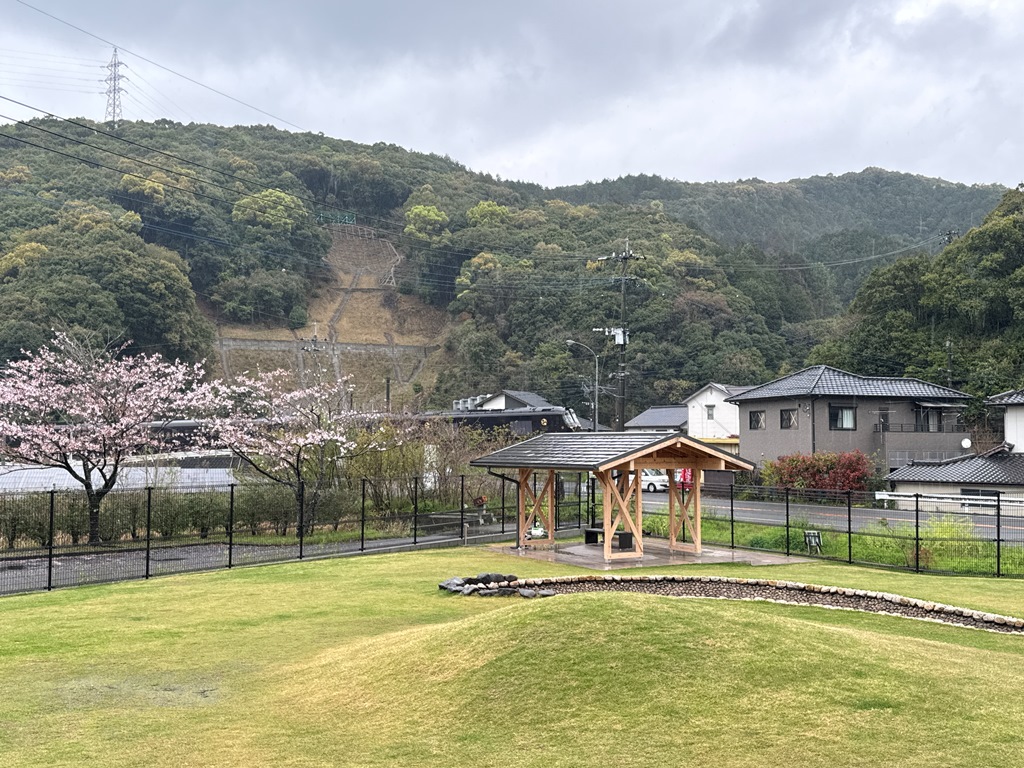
x: 415, y: 509
x: 999, y: 534
x: 917, y: 532
x: 302, y: 518
x: 849, y: 526
x: 362, y: 521
x: 787, y: 522
x: 462, y: 506
x: 732, y: 515
x: 49, y: 539
x: 149, y: 526
x: 231, y: 525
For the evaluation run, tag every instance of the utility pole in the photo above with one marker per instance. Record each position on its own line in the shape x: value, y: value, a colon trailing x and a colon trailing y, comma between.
x: 621, y: 335
x: 114, y: 90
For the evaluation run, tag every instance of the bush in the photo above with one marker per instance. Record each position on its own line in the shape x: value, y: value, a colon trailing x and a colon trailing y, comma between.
x: 24, y: 518
x: 265, y: 504
x: 824, y: 471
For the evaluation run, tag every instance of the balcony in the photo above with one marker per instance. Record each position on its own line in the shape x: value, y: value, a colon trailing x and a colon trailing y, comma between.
x: 933, y: 428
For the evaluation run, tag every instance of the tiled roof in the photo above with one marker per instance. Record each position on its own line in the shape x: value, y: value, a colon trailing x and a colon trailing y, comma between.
x: 661, y: 416
x: 591, y: 451
x: 998, y: 467
x: 1013, y: 397
x: 822, y: 380
x: 529, y: 399
x: 732, y: 389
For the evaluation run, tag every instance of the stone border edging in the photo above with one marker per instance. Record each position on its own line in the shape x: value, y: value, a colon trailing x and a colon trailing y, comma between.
x: 772, y: 590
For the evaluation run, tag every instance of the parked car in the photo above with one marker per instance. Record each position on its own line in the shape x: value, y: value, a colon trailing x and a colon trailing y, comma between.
x: 654, y: 480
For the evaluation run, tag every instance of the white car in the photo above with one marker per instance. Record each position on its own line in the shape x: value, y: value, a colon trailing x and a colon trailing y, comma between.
x: 654, y: 480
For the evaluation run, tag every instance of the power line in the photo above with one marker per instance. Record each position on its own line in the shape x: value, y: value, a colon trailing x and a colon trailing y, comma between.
x: 161, y: 66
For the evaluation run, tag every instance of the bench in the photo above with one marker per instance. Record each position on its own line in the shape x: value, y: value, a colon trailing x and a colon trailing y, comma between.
x: 622, y: 539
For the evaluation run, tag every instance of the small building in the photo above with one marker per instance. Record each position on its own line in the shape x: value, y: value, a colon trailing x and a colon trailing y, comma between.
x: 823, y: 409
x: 992, y: 473
x: 523, y: 413
x: 988, y: 474
x: 617, y: 460
x: 660, y: 418
x: 712, y: 418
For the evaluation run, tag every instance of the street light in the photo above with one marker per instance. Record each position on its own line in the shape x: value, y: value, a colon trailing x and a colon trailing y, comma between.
x: 597, y: 381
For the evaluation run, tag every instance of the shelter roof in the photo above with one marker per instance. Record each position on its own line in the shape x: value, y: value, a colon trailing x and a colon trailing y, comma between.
x: 823, y: 380
x: 597, y: 451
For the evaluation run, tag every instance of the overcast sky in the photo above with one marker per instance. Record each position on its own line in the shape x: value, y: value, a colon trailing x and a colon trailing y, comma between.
x: 561, y: 92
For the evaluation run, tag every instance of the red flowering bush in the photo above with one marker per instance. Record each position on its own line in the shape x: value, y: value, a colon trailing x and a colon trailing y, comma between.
x: 826, y: 471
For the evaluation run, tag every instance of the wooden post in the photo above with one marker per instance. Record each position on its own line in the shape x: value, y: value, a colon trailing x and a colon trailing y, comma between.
x: 524, y: 489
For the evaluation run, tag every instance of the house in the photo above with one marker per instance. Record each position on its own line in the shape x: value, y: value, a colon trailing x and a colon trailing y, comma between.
x: 660, y: 418
x: 523, y: 413
x: 991, y: 473
x: 821, y: 409
x: 714, y: 420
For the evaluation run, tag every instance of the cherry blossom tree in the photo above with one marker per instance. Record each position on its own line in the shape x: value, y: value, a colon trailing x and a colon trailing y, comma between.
x: 85, y: 410
x: 298, y: 438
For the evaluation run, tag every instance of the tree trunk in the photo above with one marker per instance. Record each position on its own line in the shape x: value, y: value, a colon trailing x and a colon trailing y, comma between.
x: 94, y: 519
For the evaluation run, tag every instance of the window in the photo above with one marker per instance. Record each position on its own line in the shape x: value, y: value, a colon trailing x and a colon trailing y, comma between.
x: 757, y: 419
x: 787, y: 418
x: 711, y: 412
x: 842, y: 417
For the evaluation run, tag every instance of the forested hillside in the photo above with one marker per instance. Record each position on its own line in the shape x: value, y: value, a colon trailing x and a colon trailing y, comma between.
x: 782, y: 216
x: 120, y: 232
x: 957, y: 318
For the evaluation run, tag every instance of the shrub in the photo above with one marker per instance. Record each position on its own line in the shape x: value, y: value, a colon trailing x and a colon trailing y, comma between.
x: 24, y: 518
x: 852, y: 471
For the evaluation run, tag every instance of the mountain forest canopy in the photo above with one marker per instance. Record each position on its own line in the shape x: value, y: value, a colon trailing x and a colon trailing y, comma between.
x: 151, y: 231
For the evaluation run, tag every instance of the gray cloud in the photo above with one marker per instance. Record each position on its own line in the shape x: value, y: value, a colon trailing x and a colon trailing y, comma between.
x: 562, y: 92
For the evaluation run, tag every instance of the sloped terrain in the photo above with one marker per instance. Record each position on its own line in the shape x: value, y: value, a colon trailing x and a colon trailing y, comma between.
x: 359, y: 325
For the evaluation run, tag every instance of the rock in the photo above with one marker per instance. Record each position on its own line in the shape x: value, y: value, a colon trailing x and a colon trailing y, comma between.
x: 524, y: 592
x: 506, y: 591
x: 546, y: 593
x: 487, y: 592
x: 454, y: 584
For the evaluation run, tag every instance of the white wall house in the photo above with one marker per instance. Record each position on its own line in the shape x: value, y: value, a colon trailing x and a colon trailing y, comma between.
x: 710, y: 416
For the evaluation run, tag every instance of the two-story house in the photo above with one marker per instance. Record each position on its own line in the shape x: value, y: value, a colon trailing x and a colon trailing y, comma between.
x: 818, y: 409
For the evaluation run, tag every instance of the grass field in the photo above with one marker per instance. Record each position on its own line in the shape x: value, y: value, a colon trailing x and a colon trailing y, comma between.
x: 364, y: 662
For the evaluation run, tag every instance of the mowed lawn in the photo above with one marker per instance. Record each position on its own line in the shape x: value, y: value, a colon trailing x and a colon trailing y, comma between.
x: 363, y: 661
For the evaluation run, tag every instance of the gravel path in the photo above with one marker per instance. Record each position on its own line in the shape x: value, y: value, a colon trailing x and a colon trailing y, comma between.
x: 753, y: 589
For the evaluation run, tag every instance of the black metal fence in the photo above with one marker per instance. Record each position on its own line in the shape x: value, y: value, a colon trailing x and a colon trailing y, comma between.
x: 52, y: 539
x: 976, y: 535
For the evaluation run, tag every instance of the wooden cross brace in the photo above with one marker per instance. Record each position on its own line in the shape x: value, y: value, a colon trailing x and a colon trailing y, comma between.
x: 534, y: 507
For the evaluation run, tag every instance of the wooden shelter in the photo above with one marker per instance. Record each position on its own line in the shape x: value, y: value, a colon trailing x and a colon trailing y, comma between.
x: 616, y: 459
